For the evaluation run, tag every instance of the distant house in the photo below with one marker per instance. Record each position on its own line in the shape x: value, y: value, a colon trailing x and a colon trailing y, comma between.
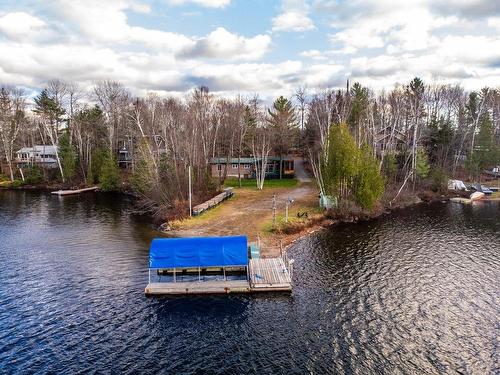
x: 41, y: 155
x: 389, y: 139
x: 246, y: 167
x: 124, y: 157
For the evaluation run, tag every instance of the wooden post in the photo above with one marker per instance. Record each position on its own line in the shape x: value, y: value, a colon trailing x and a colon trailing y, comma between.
x: 190, y: 192
x: 175, y: 279
x: 149, y: 275
x: 199, y: 274
x: 274, y: 210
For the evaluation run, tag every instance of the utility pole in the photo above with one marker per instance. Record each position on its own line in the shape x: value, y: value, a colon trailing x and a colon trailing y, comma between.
x: 190, y: 192
x: 274, y: 210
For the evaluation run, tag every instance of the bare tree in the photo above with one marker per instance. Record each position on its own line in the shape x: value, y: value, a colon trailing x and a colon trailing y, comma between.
x: 12, y: 105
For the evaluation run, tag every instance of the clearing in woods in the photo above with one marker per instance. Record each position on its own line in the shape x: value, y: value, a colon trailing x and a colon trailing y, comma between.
x: 249, y: 212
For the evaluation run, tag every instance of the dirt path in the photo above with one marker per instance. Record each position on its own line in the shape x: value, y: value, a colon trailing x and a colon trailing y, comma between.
x: 248, y: 213
x: 300, y: 172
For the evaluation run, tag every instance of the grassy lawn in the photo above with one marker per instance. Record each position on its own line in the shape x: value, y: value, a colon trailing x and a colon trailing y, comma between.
x: 251, y: 183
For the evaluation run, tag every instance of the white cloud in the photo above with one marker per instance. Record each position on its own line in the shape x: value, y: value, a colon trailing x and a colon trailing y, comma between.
x: 20, y: 25
x: 203, y: 3
x: 294, y: 17
x: 494, y: 22
x: 292, y: 21
x: 376, y: 42
x: 313, y: 54
x: 222, y: 44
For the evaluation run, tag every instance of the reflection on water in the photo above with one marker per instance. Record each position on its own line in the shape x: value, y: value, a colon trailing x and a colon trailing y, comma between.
x: 414, y: 292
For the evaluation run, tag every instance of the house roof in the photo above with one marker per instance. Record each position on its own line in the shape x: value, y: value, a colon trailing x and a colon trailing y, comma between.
x: 246, y: 160
x: 39, y: 148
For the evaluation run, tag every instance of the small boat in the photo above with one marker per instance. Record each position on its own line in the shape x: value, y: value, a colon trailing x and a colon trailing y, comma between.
x: 486, y: 190
x: 477, y: 195
x: 493, y: 189
x: 481, y: 188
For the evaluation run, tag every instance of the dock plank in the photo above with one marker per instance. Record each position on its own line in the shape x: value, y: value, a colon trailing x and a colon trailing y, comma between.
x: 269, y: 273
x: 195, y: 287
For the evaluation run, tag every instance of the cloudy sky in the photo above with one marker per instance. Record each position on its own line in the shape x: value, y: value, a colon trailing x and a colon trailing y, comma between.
x: 268, y: 47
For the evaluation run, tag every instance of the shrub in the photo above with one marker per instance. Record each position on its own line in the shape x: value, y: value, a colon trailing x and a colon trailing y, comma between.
x: 110, y: 175
x: 438, y: 179
x: 33, y: 175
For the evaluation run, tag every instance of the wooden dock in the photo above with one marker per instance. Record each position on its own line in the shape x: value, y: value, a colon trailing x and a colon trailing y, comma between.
x: 269, y: 274
x: 198, y: 287
x: 227, y: 193
x: 72, y: 192
x: 265, y: 275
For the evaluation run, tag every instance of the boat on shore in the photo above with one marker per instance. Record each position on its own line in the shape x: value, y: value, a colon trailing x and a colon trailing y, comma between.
x: 477, y: 195
x: 73, y: 192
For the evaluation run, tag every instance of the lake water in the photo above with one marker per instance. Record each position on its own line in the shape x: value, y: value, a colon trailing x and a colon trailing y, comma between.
x: 411, y: 293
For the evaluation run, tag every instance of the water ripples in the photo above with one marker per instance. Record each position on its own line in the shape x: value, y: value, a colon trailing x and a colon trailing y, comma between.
x: 414, y: 292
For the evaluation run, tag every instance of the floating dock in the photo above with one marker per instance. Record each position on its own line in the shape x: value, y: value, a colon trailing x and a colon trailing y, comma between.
x: 73, y: 192
x: 213, y: 265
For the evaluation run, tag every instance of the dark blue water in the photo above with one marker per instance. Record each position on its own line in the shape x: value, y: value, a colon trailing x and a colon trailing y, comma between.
x: 415, y: 292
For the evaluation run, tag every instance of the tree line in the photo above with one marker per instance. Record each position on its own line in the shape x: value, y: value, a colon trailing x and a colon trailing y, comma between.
x: 415, y: 135
x: 356, y: 140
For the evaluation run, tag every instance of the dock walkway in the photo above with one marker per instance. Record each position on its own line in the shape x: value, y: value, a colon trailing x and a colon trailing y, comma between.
x: 265, y: 275
x: 269, y: 274
x: 227, y: 193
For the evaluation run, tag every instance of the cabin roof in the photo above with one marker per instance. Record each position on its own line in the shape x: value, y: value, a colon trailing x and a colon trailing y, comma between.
x: 39, y: 148
x: 247, y: 160
x: 198, y: 252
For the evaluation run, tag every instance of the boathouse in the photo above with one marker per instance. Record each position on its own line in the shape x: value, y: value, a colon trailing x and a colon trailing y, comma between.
x: 212, y: 265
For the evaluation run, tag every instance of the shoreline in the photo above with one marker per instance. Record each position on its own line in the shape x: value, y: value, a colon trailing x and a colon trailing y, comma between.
x: 290, y: 239
x: 275, y: 242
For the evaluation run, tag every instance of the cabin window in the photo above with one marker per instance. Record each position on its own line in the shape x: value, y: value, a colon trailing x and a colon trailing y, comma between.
x: 234, y: 166
x: 246, y: 166
x: 219, y: 167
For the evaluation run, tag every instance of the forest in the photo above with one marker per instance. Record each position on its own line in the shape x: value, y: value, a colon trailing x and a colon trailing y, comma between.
x: 362, y: 145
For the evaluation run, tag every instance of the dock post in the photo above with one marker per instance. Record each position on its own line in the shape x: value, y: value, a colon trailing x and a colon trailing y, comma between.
x: 199, y: 274
x: 149, y: 275
x: 175, y: 280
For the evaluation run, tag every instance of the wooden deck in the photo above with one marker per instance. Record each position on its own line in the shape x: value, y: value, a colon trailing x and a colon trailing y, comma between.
x: 266, y: 275
x: 197, y: 287
x: 269, y: 274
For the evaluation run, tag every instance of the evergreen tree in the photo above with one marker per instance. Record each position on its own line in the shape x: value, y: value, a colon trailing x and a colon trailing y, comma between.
x: 283, y: 122
x: 340, y: 164
x: 486, y: 148
x: 51, y: 112
x: 109, y: 175
x: 359, y: 108
x: 369, y: 183
x: 422, y: 167
x: 67, y: 154
x: 351, y: 172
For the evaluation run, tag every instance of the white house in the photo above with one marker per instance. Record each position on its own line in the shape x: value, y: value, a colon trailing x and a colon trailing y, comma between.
x: 44, y: 156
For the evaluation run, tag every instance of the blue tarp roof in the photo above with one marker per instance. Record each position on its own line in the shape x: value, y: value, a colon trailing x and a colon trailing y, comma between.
x: 198, y: 252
